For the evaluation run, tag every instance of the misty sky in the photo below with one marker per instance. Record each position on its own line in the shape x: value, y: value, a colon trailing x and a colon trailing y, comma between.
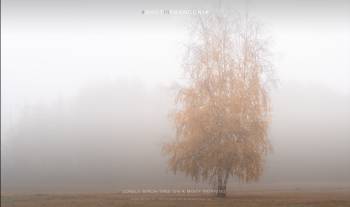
x: 50, y: 49
x: 95, y: 55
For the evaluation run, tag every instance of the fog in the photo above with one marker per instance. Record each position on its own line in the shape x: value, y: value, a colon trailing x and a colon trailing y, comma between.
x: 86, y: 90
x: 109, y: 137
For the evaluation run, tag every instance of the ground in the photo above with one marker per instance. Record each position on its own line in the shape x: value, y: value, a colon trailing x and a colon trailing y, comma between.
x: 295, y: 198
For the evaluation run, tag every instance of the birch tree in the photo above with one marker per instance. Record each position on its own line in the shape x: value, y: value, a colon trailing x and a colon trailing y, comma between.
x: 222, y: 112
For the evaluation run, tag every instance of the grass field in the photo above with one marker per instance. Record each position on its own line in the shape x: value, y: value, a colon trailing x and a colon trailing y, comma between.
x: 244, y: 199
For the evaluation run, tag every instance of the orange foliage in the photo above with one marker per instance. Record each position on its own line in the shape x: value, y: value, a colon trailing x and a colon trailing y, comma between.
x: 223, y: 113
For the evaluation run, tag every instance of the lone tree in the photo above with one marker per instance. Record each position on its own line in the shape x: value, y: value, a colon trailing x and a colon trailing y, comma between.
x: 223, y: 110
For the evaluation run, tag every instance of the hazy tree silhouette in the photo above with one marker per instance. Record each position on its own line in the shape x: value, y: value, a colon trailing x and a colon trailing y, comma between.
x: 223, y: 111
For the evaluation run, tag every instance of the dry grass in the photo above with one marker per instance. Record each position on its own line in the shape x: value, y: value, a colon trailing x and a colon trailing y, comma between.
x: 251, y: 199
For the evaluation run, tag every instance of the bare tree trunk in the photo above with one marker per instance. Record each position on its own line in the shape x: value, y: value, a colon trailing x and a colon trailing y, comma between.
x: 227, y: 175
x: 221, y: 187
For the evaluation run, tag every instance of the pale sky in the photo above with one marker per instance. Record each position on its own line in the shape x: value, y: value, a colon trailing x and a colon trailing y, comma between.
x: 63, y: 51
x: 51, y: 49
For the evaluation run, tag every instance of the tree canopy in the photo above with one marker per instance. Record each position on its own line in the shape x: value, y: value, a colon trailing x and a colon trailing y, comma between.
x: 222, y: 113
